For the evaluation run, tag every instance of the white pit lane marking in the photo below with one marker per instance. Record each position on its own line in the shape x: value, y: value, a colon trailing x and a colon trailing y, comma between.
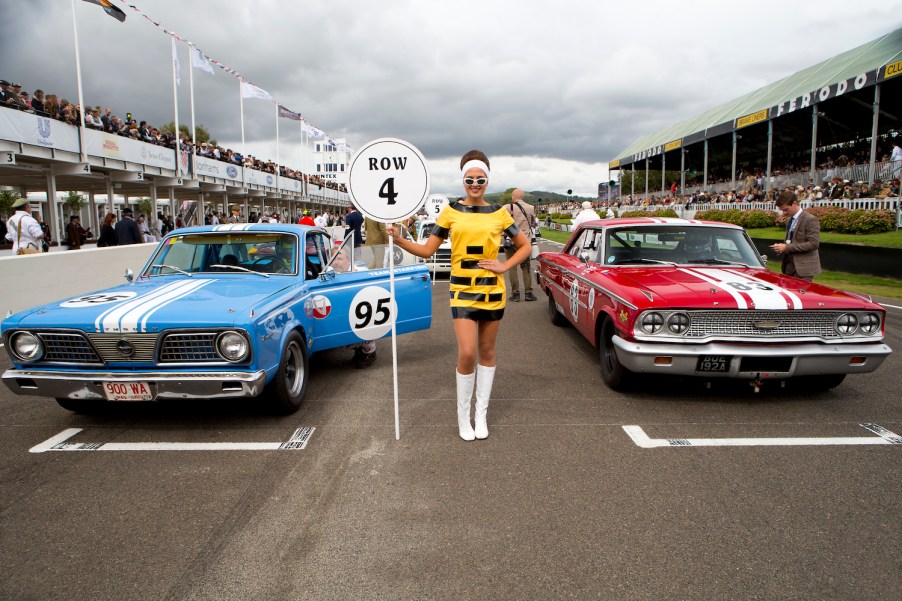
x: 297, y: 441
x: 884, y: 436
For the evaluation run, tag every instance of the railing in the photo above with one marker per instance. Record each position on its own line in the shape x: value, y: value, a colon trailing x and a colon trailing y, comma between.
x: 688, y: 212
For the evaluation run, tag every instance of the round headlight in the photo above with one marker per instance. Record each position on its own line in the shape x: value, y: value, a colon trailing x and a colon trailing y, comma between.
x: 27, y: 346
x: 651, y: 323
x: 869, y: 323
x: 846, y: 324
x: 678, y: 323
x: 232, y: 346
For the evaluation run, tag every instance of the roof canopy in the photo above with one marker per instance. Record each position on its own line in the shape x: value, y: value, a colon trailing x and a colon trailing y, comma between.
x: 854, y: 69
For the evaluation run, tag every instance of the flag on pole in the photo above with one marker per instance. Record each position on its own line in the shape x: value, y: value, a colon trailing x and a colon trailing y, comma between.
x: 313, y: 132
x: 249, y: 90
x: 286, y: 114
x: 109, y: 9
x: 175, y: 61
x: 199, y: 61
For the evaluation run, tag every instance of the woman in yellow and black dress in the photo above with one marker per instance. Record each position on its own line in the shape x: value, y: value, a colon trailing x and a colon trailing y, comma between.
x: 477, y: 284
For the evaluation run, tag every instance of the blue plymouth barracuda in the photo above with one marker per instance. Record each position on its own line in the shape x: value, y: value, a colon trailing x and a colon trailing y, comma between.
x: 217, y: 311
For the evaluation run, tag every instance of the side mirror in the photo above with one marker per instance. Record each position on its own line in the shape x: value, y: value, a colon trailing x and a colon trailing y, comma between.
x: 764, y: 260
x: 327, y: 274
x: 584, y: 257
x: 129, y: 275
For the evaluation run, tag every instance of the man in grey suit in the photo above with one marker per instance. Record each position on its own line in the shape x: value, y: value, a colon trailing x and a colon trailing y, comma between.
x: 803, y: 237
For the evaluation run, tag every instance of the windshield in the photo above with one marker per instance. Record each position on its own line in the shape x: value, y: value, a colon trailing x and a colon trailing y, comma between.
x: 263, y: 252
x: 668, y: 245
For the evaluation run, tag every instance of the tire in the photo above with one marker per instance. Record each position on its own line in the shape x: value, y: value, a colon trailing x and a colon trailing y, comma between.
x: 818, y: 383
x: 83, y: 406
x: 286, y: 392
x: 555, y: 315
x: 614, y: 374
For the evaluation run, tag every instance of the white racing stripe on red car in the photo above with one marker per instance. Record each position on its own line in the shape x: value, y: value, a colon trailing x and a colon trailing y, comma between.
x: 742, y: 300
x: 792, y: 299
x: 755, y: 293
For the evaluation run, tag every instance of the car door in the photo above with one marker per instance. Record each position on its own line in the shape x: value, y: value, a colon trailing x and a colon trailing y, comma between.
x: 348, y: 306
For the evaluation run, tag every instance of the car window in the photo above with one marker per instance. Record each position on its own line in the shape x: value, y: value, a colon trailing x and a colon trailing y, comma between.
x: 677, y: 244
x: 578, y: 245
x: 262, y: 252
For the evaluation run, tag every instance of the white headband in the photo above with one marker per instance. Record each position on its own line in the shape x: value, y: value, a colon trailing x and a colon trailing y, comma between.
x: 474, y: 163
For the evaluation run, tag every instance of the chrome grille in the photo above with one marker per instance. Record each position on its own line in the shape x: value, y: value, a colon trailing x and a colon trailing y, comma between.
x: 190, y: 347
x: 67, y: 348
x: 107, y: 345
x: 741, y: 323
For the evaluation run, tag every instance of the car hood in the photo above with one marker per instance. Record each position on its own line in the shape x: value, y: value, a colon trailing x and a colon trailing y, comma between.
x: 153, y: 304
x: 726, y: 288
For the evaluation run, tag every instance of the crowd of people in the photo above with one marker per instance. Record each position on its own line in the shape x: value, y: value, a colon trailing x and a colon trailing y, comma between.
x: 102, y: 119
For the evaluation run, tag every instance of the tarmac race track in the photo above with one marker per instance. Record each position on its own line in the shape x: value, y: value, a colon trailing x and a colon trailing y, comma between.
x: 559, y: 502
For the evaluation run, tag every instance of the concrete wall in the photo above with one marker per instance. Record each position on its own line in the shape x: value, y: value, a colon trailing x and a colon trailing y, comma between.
x: 30, y: 280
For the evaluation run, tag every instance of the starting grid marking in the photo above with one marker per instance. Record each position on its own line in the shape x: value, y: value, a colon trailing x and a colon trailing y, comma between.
x: 298, y: 441
x: 884, y: 436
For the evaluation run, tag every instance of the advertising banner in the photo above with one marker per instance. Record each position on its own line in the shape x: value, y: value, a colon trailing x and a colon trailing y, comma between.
x: 27, y: 128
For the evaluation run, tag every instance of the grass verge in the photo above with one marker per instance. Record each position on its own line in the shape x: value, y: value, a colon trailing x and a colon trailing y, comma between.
x: 884, y: 240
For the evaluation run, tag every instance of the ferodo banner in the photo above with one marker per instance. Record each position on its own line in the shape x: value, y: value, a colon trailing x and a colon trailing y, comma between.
x: 825, y: 93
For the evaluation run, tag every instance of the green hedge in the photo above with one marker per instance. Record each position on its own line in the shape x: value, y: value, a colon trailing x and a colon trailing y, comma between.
x: 833, y: 219
x: 747, y: 219
x: 658, y: 213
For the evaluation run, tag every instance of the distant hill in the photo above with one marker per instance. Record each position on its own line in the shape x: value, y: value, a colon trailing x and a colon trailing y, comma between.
x: 536, y: 195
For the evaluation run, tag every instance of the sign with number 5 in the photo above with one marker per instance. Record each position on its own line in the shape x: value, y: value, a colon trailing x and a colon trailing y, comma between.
x: 388, y: 180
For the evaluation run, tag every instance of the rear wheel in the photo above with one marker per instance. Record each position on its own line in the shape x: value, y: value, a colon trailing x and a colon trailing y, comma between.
x: 555, y: 315
x: 286, y: 391
x: 614, y: 374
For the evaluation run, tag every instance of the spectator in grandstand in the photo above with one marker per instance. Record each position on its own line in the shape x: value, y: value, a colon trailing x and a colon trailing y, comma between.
x: 37, y: 102
x: 5, y: 92
x: 803, y: 231
x: 896, y: 158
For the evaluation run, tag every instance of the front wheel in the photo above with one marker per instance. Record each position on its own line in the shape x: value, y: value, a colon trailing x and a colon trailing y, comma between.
x: 555, y: 315
x: 83, y: 406
x: 286, y: 391
x: 614, y: 374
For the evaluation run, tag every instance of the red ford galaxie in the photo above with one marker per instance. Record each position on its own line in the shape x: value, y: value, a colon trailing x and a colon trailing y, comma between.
x: 694, y: 298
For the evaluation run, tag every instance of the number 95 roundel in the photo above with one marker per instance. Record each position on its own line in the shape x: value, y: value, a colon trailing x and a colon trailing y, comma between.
x: 372, y: 313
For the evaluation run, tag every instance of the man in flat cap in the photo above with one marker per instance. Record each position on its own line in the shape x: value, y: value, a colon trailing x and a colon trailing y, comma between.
x: 23, y: 230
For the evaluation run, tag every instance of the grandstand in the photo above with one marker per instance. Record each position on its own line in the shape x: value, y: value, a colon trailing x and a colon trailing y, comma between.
x: 833, y: 124
x: 43, y: 153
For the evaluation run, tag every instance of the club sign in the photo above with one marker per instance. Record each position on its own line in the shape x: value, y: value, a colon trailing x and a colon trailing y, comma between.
x: 388, y: 180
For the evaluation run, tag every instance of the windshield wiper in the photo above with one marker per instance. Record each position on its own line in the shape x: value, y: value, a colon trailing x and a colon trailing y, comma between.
x: 174, y: 268
x: 239, y: 268
x: 643, y: 260
x: 717, y: 262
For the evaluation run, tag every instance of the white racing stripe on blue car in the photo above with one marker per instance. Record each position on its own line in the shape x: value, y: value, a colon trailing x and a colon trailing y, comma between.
x: 229, y: 227
x: 125, y: 317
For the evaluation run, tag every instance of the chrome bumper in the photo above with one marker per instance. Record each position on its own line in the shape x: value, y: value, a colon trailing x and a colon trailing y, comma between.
x: 807, y: 359
x: 164, y: 385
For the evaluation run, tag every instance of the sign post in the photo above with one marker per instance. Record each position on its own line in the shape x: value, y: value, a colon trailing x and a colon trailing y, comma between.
x: 388, y: 181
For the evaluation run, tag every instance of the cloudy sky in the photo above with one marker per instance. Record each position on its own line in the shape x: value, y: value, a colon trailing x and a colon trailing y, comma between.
x: 551, y: 91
